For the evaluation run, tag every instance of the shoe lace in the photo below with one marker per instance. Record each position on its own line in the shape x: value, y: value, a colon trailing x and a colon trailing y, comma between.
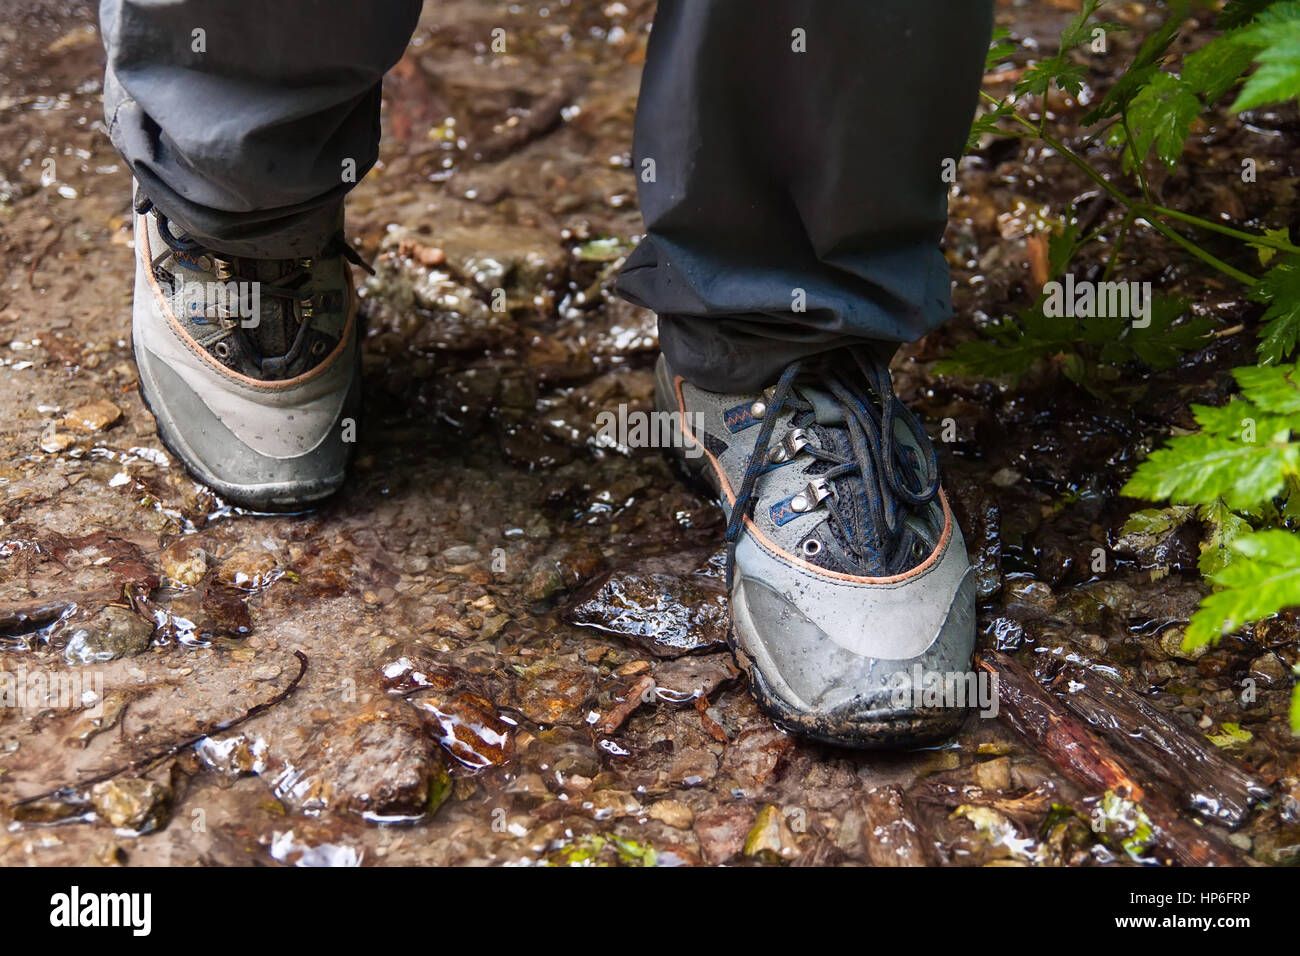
x: 290, y: 285
x: 869, y: 489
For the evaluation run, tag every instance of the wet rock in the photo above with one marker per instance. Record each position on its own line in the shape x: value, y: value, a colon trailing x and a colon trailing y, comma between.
x: 1268, y: 670
x: 50, y: 810
x: 665, y: 615
x: 223, y: 612
x: 1280, y: 847
x: 755, y: 755
x: 562, y: 570
x: 609, y: 804
x: 466, y: 725
x: 378, y: 763
x: 289, y: 848
x: 563, y: 751
x: 1059, y: 555
x: 992, y: 774
x: 552, y: 693
x: 692, y: 767
x: 1005, y: 633
x: 461, y: 554
x: 1161, y: 540
x: 1171, y: 642
x: 132, y: 803
x: 689, y: 678
x: 182, y: 564
x: 672, y: 813
x: 453, y: 706
x: 54, y: 441
x: 95, y: 417
x: 1030, y: 594
x: 769, y: 840
x: 1089, y: 604
x: 234, y: 756
x: 248, y: 569
x: 996, y: 835
x: 722, y: 832
x: 113, y: 633
x: 980, y: 520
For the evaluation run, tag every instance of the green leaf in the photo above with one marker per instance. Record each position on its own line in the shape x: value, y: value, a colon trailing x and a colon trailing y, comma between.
x: 1155, y: 522
x: 1161, y: 115
x: 1077, y: 30
x: 999, y: 49
x: 1295, y: 711
x: 1276, y: 34
x: 1234, y: 735
x: 1280, y: 288
x: 1010, y: 354
x: 1262, y: 580
x: 1165, y: 338
x: 1241, y: 421
x: 1147, y: 61
x: 1239, y: 12
x: 1273, y: 388
x: 1217, y: 67
x: 1059, y: 69
x: 1266, y: 253
x: 1200, y: 468
x: 988, y: 123
x: 1223, y: 526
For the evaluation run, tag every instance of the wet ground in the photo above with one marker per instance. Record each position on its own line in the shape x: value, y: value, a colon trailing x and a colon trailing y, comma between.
x: 513, y: 636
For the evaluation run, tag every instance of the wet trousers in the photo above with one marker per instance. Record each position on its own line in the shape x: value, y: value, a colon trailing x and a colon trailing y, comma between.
x: 793, y: 199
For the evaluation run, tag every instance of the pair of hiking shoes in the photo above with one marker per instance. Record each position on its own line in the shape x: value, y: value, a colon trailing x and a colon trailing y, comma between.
x: 850, y: 588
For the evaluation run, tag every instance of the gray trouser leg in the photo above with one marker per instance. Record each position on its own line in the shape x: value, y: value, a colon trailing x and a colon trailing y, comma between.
x: 242, y: 118
x: 797, y: 204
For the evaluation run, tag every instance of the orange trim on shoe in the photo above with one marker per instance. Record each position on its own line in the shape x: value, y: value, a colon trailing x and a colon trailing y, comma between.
x: 795, y: 559
x: 144, y: 254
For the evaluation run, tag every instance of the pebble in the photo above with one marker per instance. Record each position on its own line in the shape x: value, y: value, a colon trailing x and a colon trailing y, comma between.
x: 94, y: 417
x: 672, y: 813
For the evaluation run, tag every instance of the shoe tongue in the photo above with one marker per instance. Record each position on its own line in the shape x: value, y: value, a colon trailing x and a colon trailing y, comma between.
x: 275, y: 332
x: 826, y: 409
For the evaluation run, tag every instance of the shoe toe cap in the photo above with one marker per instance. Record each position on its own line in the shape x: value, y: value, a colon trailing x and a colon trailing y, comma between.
x: 808, y: 680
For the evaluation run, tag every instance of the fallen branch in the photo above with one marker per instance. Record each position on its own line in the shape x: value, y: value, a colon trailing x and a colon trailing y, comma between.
x: 1090, y: 762
x: 147, y: 761
x: 1207, y: 782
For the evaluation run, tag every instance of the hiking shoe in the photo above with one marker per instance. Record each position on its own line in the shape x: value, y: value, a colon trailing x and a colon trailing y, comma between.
x: 848, y: 578
x: 250, y: 366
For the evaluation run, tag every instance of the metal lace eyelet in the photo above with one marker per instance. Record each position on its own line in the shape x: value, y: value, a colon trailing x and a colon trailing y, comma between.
x: 222, y: 349
x: 761, y: 405
x: 818, y: 490
x: 318, y: 347
x: 794, y: 442
x: 812, y: 547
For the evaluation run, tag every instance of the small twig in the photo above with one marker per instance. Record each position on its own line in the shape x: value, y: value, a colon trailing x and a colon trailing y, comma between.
x: 150, y: 759
x: 40, y: 257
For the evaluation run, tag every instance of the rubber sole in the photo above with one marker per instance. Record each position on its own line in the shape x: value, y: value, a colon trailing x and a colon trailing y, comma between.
x: 271, y: 497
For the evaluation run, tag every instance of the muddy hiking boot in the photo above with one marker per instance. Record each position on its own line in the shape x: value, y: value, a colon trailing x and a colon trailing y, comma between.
x: 848, y: 576
x: 250, y: 366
